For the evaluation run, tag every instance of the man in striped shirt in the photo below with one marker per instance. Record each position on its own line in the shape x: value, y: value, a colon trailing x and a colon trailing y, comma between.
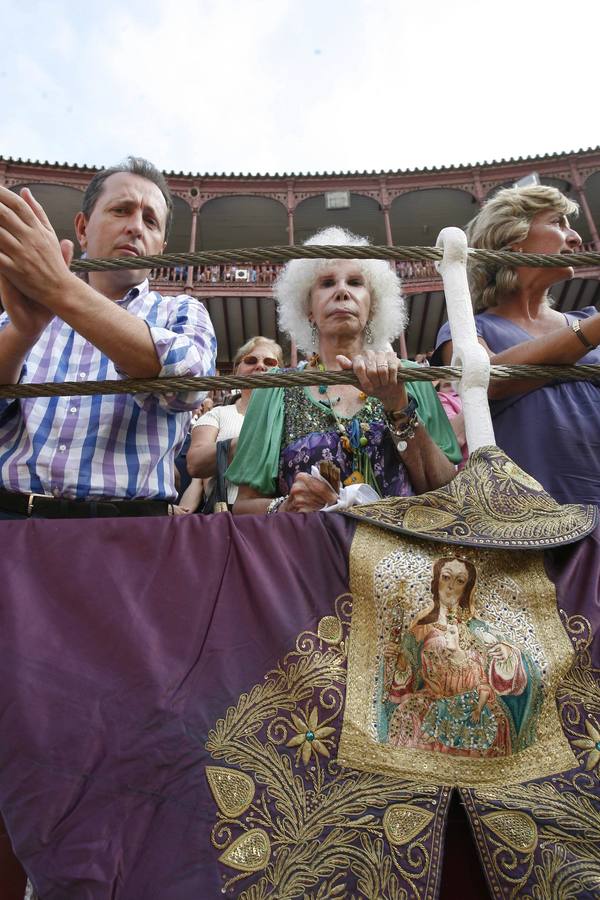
x: 94, y: 455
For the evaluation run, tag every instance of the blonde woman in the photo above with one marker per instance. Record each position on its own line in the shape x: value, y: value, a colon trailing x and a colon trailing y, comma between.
x: 259, y: 354
x: 551, y: 429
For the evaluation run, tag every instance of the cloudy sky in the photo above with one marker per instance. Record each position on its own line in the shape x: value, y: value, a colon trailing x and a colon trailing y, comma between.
x: 297, y: 85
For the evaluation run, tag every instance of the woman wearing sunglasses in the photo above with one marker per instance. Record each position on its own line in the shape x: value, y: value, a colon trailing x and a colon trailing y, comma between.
x: 259, y: 354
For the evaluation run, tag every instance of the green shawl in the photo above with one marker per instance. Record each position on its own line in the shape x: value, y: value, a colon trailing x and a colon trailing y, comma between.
x: 256, y: 460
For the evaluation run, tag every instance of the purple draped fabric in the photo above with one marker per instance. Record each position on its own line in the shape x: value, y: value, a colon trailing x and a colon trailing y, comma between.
x: 123, y: 645
x: 575, y: 570
x: 120, y: 647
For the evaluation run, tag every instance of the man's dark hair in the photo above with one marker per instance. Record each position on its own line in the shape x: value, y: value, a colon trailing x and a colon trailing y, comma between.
x: 135, y: 165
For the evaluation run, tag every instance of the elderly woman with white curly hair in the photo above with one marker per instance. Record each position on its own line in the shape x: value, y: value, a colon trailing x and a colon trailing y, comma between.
x: 395, y: 438
x: 551, y: 429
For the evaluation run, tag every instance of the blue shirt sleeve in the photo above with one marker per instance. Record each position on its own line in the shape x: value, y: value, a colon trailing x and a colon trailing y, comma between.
x: 185, y: 345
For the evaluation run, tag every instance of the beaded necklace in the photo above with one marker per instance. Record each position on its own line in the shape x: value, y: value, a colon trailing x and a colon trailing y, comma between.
x: 353, y: 436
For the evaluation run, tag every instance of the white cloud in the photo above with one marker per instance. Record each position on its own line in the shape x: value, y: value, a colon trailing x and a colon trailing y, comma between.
x: 276, y: 85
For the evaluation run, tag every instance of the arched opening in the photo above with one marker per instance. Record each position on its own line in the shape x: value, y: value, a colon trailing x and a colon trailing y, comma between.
x: 362, y: 217
x: 179, y: 238
x: 592, y: 195
x: 418, y: 216
x: 241, y: 221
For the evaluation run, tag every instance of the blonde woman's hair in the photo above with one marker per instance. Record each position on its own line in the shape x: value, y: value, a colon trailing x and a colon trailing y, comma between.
x: 249, y: 346
x: 502, y: 222
x: 294, y: 284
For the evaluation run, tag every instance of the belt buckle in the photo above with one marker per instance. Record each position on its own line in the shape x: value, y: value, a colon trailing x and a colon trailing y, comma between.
x: 31, y: 498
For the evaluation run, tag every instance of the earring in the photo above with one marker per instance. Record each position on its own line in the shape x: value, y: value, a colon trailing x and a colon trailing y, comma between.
x: 368, y: 333
x: 314, y: 334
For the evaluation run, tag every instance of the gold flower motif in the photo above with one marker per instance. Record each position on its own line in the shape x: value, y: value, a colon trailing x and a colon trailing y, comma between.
x: 310, y: 737
x: 591, y: 745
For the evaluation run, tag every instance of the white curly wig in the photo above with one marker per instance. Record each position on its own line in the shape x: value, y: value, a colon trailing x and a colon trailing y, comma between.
x: 293, y: 286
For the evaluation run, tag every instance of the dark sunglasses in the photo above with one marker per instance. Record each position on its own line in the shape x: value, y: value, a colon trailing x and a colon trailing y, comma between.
x: 269, y: 361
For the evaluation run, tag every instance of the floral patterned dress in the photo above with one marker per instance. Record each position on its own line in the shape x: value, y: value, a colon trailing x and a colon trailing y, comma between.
x: 287, y: 431
x: 312, y: 433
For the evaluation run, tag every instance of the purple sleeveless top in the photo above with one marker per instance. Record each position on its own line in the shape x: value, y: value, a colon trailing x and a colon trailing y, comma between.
x: 553, y: 432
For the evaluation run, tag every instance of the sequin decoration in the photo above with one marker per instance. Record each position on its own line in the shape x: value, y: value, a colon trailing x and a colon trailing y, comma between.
x: 516, y: 829
x: 332, y: 831
x: 330, y: 630
x: 460, y: 690
x: 248, y: 853
x: 564, y: 810
x: 420, y: 520
x: 402, y: 822
x: 233, y: 791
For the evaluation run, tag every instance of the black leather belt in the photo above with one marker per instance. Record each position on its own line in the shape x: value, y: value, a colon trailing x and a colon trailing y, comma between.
x: 46, y: 507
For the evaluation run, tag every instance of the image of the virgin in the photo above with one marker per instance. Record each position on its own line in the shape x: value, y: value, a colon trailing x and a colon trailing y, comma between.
x: 450, y: 683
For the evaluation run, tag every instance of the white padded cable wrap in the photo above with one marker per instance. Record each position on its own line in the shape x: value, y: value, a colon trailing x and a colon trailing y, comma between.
x: 467, y: 351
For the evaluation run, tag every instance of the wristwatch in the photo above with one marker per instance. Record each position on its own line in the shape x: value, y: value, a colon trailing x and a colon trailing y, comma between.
x: 399, y: 416
x: 576, y: 329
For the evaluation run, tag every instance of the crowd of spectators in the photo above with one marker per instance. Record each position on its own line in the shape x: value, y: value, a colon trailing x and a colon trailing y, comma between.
x: 340, y: 314
x: 259, y: 274
x: 279, y: 449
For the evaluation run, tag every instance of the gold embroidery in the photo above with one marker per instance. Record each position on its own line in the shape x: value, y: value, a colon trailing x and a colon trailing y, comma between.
x: 390, y: 581
x: 558, y: 878
x: 568, y: 836
x: 508, y: 865
x: 490, y: 503
x: 324, y: 824
x: 591, y: 744
x: 403, y: 822
x: 512, y: 470
x: 514, y: 828
x: 248, y: 853
x: 430, y: 519
x: 579, y: 693
x: 233, y: 791
x: 566, y: 810
x: 311, y: 737
x: 330, y: 630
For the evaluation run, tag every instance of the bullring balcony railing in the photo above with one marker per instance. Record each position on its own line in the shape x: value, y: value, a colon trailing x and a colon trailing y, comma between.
x: 223, y: 275
x: 415, y: 275
x: 234, y: 277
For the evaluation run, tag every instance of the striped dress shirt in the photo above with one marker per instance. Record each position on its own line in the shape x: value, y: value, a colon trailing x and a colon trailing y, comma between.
x: 117, y: 447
